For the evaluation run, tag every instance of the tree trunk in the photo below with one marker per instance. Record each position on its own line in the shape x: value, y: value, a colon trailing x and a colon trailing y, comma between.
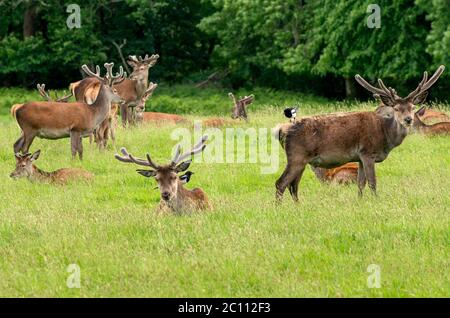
x: 28, y: 21
x: 350, y: 87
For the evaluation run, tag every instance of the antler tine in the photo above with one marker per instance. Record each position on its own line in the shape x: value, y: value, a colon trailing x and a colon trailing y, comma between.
x: 426, y: 84
x: 389, y: 91
x: 434, y: 78
x: 65, y: 98
x: 199, y: 147
x: 43, y: 93
x: 369, y: 87
x: 150, y: 89
x: 113, y: 78
x: 90, y: 73
x: 176, y: 156
x: 127, y: 157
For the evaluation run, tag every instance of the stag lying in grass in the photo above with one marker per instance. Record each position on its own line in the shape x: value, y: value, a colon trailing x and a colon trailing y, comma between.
x: 330, y: 141
x: 25, y: 168
x: 174, y: 196
x: 55, y: 120
x: 419, y: 126
x: 239, y: 109
x: 345, y: 174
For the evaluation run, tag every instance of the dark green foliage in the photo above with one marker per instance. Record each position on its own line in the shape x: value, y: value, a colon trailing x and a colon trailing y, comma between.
x: 313, y: 46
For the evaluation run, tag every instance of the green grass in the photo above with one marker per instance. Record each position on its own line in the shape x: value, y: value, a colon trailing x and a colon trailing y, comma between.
x: 247, y: 246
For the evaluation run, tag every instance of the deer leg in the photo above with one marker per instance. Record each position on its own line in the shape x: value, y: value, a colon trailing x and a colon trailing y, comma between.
x: 123, y: 114
x: 361, y: 179
x: 80, y: 148
x: 369, y: 171
x: 27, y: 141
x: 74, y: 141
x: 113, y: 133
x: 289, y: 176
x: 293, y: 187
x: 19, y: 143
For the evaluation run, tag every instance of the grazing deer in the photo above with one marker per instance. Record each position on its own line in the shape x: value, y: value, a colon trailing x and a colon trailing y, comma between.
x: 25, y: 168
x: 433, y: 115
x: 173, y: 194
x: 345, y: 174
x: 75, y: 120
x: 329, y: 141
x: 419, y: 126
x: 239, y: 109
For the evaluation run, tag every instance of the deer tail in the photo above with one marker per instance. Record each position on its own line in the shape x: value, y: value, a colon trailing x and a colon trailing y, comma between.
x: 14, y: 109
x: 280, y: 132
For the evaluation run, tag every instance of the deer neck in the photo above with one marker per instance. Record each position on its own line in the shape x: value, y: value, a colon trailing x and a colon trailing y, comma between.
x: 40, y: 175
x: 181, y: 201
x: 141, y: 87
x: 394, y: 133
x: 418, y: 124
x: 101, y: 107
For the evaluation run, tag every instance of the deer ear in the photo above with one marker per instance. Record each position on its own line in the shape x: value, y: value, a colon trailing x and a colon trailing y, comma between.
x: 386, y: 100
x: 183, y: 166
x: 421, y: 111
x: 147, y: 173
x: 35, y: 156
x: 419, y: 99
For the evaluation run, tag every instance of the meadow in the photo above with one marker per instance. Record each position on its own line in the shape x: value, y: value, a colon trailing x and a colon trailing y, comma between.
x: 247, y: 246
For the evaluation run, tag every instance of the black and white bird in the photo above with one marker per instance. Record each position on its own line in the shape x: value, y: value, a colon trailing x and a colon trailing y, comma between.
x: 186, y: 177
x: 291, y: 113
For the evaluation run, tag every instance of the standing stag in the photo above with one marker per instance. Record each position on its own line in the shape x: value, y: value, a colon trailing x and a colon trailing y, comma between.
x: 419, y: 126
x: 173, y: 194
x: 330, y: 141
x: 56, y: 120
x: 134, y: 88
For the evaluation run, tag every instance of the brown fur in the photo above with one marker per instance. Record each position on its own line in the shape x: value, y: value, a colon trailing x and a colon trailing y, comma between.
x: 419, y: 126
x: 344, y: 174
x: 431, y: 115
x: 26, y: 169
x: 53, y: 120
x: 162, y: 118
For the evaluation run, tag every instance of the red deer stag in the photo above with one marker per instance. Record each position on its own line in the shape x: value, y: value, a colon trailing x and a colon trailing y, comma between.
x: 239, y: 109
x: 419, y: 126
x: 329, y: 141
x: 174, y: 196
x: 25, y: 168
x: 134, y: 88
x: 75, y: 120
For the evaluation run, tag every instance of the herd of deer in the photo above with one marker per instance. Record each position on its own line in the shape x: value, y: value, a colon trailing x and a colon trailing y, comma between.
x: 340, y: 147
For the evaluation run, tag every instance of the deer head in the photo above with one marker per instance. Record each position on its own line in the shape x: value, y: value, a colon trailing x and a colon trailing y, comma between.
x: 140, y: 107
x: 24, y: 165
x: 165, y: 175
x: 141, y: 66
x: 401, y: 109
x: 108, y: 81
x: 239, y: 108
